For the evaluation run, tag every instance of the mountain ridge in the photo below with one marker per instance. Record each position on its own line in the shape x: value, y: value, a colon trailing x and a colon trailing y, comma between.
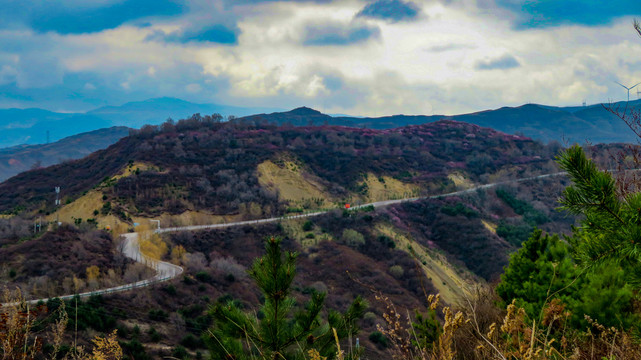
x: 593, y: 123
x: 19, y: 158
x: 31, y: 126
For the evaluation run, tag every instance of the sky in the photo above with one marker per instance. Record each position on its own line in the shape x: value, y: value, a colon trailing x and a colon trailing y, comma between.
x: 358, y: 57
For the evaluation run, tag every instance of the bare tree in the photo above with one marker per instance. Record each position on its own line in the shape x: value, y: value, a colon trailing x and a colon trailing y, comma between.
x: 629, y: 158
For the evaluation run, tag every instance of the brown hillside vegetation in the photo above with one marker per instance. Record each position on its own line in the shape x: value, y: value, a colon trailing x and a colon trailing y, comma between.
x: 200, y: 164
x: 199, y: 171
x: 57, y: 263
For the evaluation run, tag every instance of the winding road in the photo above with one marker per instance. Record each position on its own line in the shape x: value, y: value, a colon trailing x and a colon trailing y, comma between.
x: 166, y: 271
x: 131, y: 249
x: 374, y: 204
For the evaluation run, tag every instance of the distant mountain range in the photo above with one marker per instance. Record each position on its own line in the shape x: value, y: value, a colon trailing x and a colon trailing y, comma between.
x: 30, y: 126
x: 566, y: 124
x: 16, y: 159
x: 592, y: 123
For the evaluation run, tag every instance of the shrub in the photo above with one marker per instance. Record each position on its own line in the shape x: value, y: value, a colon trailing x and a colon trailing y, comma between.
x: 353, y: 238
x: 515, y: 234
x: 135, y: 349
x: 387, y: 241
x: 308, y: 225
x: 229, y: 266
x: 203, y: 276
x: 158, y: 315
x: 396, y: 271
x: 369, y: 318
x: 170, y: 289
x: 180, y: 352
x: 154, y: 335
x: 459, y: 209
x: 190, y: 341
x: 379, y: 339
x: 106, y: 208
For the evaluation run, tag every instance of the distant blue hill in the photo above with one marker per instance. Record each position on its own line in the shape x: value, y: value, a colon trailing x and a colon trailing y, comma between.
x: 564, y: 124
x: 30, y: 126
x: 16, y: 159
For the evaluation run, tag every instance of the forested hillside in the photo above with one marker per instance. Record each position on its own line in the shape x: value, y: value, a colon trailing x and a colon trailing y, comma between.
x: 199, y: 171
x: 197, y: 164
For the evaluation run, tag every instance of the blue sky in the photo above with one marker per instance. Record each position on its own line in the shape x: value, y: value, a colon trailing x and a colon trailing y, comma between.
x: 362, y: 57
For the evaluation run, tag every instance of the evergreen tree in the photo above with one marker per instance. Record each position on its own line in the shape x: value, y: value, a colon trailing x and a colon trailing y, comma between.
x: 543, y: 270
x: 427, y: 329
x: 611, y: 229
x: 278, y: 330
x: 541, y: 267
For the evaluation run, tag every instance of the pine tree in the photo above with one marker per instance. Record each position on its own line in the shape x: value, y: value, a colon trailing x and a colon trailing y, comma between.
x: 543, y: 270
x: 278, y: 330
x: 611, y: 229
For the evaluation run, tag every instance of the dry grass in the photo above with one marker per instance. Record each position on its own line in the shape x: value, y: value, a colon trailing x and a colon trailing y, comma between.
x: 83, y: 208
x: 132, y: 169
x: 293, y: 228
x: 460, y: 180
x: 189, y: 217
x: 479, y: 330
x: 19, y: 341
x: 292, y: 183
x: 385, y: 188
x: 491, y: 227
x: 448, y: 282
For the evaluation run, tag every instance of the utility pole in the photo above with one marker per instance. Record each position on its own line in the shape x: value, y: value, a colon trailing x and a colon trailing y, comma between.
x: 57, y: 205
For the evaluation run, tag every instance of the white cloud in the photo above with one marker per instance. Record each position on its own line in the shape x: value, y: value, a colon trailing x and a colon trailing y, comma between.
x: 37, y: 71
x: 7, y: 74
x: 424, y: 66
x: 193, y: 88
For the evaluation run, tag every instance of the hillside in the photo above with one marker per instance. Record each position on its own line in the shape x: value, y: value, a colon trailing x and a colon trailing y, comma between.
x: 30, y: 126
x: 21, y: 158
x: 197, y: 164
x: 199, y: 171
x: 202, y: 171
x: 540, y: 122
x: 592, y: 123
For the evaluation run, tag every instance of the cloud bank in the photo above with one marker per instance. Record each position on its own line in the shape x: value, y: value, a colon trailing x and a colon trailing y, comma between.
x: 364, y: 57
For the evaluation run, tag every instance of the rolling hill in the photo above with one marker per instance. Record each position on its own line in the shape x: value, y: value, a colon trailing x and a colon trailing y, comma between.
x: 565, y: 124
x: 592, y: 123
x: 30, y: 126
x: 16, y: 159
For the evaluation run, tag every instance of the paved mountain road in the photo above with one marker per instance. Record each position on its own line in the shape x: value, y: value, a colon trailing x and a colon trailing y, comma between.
x: 166, y: 271
x: 131, y: 249
x: 375, y: 204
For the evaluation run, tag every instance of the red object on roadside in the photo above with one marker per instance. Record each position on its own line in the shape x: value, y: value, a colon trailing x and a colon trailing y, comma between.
x: 346, y: 206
